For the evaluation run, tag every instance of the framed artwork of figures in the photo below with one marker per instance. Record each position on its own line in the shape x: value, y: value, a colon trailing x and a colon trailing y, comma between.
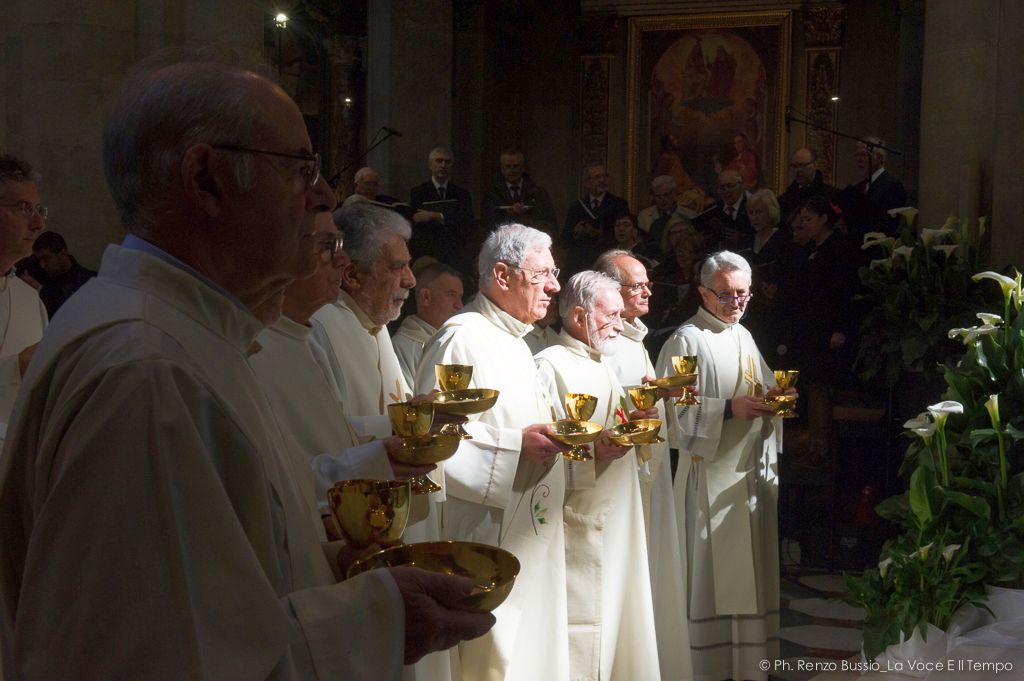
x: 707, y: 93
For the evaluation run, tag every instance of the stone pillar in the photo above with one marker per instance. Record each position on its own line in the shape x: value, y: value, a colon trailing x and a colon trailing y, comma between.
x: 63, y: 64
x: 409, y: 87
x: 972, y: 115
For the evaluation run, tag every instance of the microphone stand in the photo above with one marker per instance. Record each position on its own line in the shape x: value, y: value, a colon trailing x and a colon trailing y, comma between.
x: 871, y: 146
x: 387, y: 135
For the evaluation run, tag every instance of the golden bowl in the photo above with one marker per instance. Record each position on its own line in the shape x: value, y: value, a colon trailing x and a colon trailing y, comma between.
x: 411, y: 419
x: 643, y: 396
x: 370, y: 511
x: 638, y: 432
x: 786, y: 378
x: 780, y: 403
x: 580, y: 406
x: 573, y: 432
x: 465, y: 402
x: 428, y: 450
x: 677, y: 381
x: 493, y: 570
x: 685, y: 364
x: 453, y: 376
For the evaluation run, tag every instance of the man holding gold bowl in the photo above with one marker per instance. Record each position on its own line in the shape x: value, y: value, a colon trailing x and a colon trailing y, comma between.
x: 727, y: 481
x: 505, y: 486
x: 611, y: 616
x: 634, y: 368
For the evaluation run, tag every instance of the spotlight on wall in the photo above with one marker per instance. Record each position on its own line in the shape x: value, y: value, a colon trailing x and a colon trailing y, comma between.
x: 835, y: 98
x: 281, y: 20
x: 348, y: 100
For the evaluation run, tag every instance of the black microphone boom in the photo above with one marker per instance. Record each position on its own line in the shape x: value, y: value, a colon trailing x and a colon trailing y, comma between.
x: 391, y: 132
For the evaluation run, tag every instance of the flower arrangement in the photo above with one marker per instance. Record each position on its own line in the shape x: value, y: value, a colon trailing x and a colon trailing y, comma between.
x: 921, y: 286
x: 962, y: 518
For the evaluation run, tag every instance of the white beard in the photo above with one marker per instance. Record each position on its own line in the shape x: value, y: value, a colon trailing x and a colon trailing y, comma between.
x: 607, y: 346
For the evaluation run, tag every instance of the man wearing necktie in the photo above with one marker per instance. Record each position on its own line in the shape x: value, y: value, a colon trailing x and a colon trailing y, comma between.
x: 443, y: 231
x: 727, y: 225
x: 590, y: 220
x: 513, y: 197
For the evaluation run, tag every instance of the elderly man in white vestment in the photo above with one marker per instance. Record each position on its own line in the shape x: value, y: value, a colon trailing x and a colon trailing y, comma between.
x: 727, y: 481
x: 633, y: 366
x: 22, y: 314
x: 506, y: 485
x: 308, y: 406
x: 438, y: 297
x: 611, y: 616
x: 152, y: 523
x: 352, y: 330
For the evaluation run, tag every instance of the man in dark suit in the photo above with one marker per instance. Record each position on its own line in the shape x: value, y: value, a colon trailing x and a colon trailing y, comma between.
x: 866, y: 204
x: 726, y: 225
x: 444, y: 231
x: 807, y: 182
x: 590, y: 221
x: 515, y: 198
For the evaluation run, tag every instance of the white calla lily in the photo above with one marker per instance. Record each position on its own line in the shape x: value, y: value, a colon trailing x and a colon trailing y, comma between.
x: 883, y: 567
x: 922, y: 426
x: 885, y: 242
x: 972, y: 334
x: 989, y: 318
x: 941, y: 411
x: 924, y: 551
x: 1007, y: 284
x: 929, y: 235
x: 884, y: 263
x: 947, y: 249
x: 992, y: 407
x: 908, y: 212
x: 905, y: 251
x: 950, y: 551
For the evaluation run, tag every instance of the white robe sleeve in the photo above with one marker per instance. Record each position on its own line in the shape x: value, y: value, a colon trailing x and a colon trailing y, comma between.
x: 693, y: 430
x: 146, y: 470
x: 368, y: 461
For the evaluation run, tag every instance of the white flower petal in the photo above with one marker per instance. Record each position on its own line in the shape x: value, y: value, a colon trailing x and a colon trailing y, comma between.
x: 905, y: 251
x: 950, y: 551
x: 991, y: 319
x: 883, y: 567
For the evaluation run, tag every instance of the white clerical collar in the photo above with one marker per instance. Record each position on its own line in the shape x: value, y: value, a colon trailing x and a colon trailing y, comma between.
x: 578, y: 347
x: 713, y: 322
x: 634, y: 330
x: 503, y: 320
x: 364, y: 321
x: 291, y: 328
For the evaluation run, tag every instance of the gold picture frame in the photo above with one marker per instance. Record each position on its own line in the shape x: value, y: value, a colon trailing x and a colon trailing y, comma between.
x: 707, y: 92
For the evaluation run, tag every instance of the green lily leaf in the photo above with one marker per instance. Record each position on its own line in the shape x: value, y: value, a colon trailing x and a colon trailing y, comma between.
x: 918, y: 496
x: 975, y: 505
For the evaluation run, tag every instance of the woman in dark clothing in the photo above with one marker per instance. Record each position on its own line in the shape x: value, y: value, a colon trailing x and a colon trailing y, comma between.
x: 822, y: 318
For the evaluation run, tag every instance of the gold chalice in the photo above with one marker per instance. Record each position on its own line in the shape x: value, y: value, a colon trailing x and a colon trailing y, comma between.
x: 580, y: 406
x: 412, y: 422
x: 463, y: 402
x: 783, y: 404
x: 430, y: 449
x: 686, y: 365
x: 370, y: 511
x: 638, y: 432
x: 643, y: 396
x: 453, y: 376
x: 576, y: 434
x: 491, y: 569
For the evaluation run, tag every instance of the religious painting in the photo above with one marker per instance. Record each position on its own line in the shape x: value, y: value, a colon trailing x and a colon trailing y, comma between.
x: 707, y: 93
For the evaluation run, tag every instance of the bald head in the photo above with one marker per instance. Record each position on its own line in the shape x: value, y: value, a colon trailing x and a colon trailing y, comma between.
x: 366, y: 183
x: 804, y: 166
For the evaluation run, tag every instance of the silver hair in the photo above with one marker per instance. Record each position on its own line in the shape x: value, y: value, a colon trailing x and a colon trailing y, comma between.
x: 440, y: 150
x: 164, y: 109
x: 366, y: 227
x: 766, y: 197
x: 605, y: 263
x: 664, y: 183
x: 509, y: 244
x: 363, y: 172
x: 722, y: 261
x: 581, y: 290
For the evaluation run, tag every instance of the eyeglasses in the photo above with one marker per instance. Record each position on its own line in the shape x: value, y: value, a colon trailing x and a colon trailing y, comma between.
x: 636, y: 288
x: 329, y: 248
x: 538, y: 275
x: 310, y: 173
x: 26, y: 209
x: 726, y: 299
